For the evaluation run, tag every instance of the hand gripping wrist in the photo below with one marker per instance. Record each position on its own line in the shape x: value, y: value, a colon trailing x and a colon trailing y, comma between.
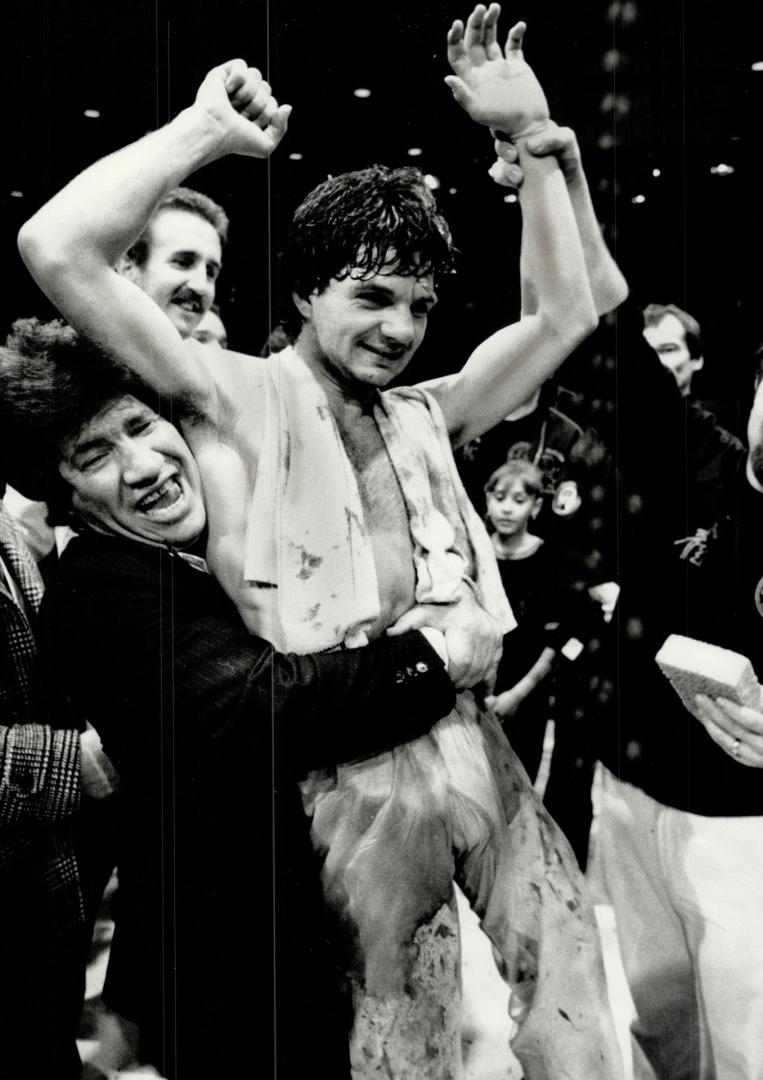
x: 534, y: 128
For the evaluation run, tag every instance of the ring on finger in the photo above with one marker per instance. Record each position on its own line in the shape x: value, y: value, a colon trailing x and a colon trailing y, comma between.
x: 736, y: 747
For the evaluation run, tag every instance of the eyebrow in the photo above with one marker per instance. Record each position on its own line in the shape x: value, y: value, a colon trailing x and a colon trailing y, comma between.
x: 429, y: 298
x: 84, y: 448
x: 191, y: 253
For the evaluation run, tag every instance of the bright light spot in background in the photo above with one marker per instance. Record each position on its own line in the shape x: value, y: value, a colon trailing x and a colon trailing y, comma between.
x: 510, y: 198
x: 17, y: 194
x: 757, y: 66
x: 638, y: 199
x: 362, y: 92
x: 656, y: 172
x: 92, y: 114
x: 722, y: 170
x: 452, y: 191
x: 432, y: 182
x: 295, y: 156
x: 415, y: 151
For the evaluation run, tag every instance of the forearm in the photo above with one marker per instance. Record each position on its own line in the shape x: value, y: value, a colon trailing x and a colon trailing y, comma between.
x: 320, y: 710
x: 103, y: 210
x: 344, y: 705
x: 506, y: 368
x: 538, y: 671
x: 506, y: 703
x: 608, y: 286
x: 552, y: 258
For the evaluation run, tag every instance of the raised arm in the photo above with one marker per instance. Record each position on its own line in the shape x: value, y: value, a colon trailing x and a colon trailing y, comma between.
x: 501, y: 92
x: 73, y: 243
x: 608, y: 286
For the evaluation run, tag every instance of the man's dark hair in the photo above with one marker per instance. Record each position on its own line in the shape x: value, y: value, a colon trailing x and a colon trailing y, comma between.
x: 376, y: 219
x: 52, y: 382
x: 654, y: 313
x: 193, y: 202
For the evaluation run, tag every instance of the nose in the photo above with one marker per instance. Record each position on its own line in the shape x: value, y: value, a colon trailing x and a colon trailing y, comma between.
x: 141, y: 464
x: 398, y: 327
x: 200, y: 282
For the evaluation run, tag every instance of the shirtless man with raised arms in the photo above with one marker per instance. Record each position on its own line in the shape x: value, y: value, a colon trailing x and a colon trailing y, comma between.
x: 345, y: 499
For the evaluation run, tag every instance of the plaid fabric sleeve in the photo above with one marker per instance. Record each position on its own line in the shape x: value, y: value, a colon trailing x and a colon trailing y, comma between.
x: 39, y: 774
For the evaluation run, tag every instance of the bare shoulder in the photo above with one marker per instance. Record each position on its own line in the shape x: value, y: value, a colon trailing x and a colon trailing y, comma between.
x: 445, y: 391
x: 220, y: 382
x: 441, y: 388
x: 233, y: 406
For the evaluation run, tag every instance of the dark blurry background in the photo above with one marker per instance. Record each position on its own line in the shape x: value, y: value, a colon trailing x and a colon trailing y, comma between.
x: 661, y: 93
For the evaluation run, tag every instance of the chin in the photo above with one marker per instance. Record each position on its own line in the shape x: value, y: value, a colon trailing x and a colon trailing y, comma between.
x: 378, y: 376
x: 184, y: 322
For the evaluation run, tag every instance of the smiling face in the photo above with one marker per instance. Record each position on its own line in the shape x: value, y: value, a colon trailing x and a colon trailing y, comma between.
x: 511, y: 507
x: 181, y: 267
x: 364, y: 330
x: 132, y: 474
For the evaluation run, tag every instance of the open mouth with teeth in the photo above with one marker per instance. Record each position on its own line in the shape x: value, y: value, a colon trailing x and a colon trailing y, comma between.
x: 191, y: 304
x: 162, y: 501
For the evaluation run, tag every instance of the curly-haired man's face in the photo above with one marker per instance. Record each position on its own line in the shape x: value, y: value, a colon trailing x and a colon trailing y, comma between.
x: 365, y: 330
x: 132, y: 474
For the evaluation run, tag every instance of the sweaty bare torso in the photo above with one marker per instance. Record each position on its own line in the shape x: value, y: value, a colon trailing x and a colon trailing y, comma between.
x: 386, y: 518
x: 225, y: 437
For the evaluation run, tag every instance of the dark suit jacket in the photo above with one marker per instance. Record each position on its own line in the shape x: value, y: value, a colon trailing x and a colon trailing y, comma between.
x: 41, y: 950
x: 219, y: 931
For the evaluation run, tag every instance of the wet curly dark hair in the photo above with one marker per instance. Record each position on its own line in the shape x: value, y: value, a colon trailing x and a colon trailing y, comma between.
x: 374, y: 219
x: 51, y: 383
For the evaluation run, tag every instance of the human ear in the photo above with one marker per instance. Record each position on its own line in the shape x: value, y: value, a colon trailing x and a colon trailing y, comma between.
x: 126, y: 267
x: 303, y: 305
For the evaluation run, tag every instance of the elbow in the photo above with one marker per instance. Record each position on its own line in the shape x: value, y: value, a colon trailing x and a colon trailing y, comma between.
x: 611, y: 293
x: 52, y: 258
x: 28, y: 242
x: 620, y: 292
x: 38, y: 252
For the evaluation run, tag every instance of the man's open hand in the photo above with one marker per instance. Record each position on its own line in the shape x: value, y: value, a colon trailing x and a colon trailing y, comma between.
x: 239, y: 100
x: 472, y: 637
x: 497, y: 90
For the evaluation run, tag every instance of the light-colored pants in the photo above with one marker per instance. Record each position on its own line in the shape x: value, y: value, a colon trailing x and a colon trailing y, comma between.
x: 687, y: 892
x: 396, y: 832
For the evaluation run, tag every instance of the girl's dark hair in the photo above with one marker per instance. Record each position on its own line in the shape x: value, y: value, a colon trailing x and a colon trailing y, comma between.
x: 376, y: 219
x: 52, y: 382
